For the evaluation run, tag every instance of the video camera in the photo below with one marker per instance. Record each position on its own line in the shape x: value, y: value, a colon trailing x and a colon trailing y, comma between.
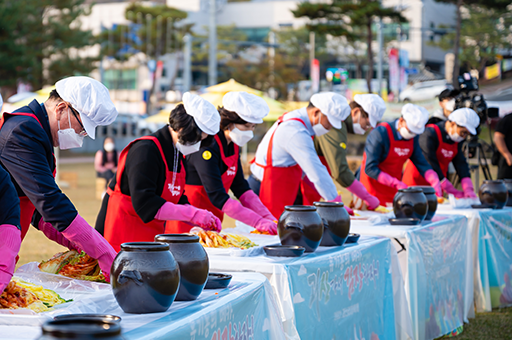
x: 474, y: 101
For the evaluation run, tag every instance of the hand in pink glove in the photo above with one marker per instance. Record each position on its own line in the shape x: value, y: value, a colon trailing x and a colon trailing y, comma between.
x: 358, y: 189
x: 467, y: 186
x: 432, y: 178
x: 187, y: 213
x: 338, y: 199
x: 90, y: 241
x: 449, y: 189
x: 10, y: 242
x: 390, y: 181
x: 56, y: 236
x: 250, y: 200
x: 234, y: 209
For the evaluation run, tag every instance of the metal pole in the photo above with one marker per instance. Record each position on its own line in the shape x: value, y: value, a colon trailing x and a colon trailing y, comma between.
x: 379, y: 56
x: 212, y: 60
x: 168, y: 41
x: 187, y: 56
x: 311, y: 49
x: 271, y: 54
x: 148, y: 36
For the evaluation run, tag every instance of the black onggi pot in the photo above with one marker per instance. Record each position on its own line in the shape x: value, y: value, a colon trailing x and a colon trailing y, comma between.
x: 300, y: 225
x: 336, y: 222
x: 81, y: 329
x: 493, y: 192
x: 410, y: 203
x: 508, y: 184
x: 145, y: 277
x: 430, y: 194
x: 192, y: 260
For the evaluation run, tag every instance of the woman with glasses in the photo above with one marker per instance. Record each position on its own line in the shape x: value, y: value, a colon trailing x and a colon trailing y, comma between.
x: 441, y: 144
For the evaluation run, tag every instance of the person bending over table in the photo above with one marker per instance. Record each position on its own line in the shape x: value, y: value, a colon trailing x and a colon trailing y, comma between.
x: 216, y: 169
x: 387, y: 149
x: 441, y: 144
x: 149, y: 185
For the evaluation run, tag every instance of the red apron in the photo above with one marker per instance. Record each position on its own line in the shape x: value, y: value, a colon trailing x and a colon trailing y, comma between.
x: 309, y: 194
x: 445, y: 153
x: 26, y: 207
x: 197, y: 195
x: 122, y: 224
x: 399, y: 153
x: 279, y: 185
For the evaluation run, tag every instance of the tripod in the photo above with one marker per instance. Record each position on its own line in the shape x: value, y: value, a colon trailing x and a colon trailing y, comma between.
x: 474, y: 148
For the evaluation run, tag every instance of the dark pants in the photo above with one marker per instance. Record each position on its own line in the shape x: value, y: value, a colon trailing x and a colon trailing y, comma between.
x: 108, y: 175
x: 504, y: 171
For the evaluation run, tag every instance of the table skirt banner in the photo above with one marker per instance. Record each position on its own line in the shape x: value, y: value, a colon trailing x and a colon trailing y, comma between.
x: 437, y: 276
x: 352, y: 289
x: 495, y: 256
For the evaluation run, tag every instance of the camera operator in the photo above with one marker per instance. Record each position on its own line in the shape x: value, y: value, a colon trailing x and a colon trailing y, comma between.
x: 503, y: 141
x: 441, y: 144
x: 447, y: 103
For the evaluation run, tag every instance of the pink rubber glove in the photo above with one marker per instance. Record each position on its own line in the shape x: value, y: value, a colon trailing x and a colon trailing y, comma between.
x: 338, y: 199
x: 432, y: 178
x: 10, y: 242
x: 234, y: 209
x: 390, y: 181
x: 187, y: 213
x: 56, y: 236
x: 449, y: 189
x: 90, y: 241
x: 250, y: 200
x: 358, y: 189
x: 467, y: 186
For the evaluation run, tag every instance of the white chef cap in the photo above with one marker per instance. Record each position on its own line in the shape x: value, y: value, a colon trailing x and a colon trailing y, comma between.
x: 416, y: 117
x: 465, y: 117
x: 249, y: 107
x: 333, y: 105
x: 91, y: 99
x: 373, y: 105
x: 205, y: 114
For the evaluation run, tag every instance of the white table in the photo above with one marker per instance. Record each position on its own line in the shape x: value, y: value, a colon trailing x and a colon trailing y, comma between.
x: 436, y: 259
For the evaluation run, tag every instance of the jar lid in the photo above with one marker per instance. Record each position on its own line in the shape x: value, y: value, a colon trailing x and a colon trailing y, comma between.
x: 411, y: 190
x: 144, y: 246
x: 300, y: 208
x: 329, y: 204
x: 493, y: 181
x: 75, y: 328
x: 102, y: 317
x: 425, y: 188
x: 177, y: 238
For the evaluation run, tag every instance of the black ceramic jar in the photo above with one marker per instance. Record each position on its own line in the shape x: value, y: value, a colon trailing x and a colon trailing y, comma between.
x: 81, y: 329
x: 145, y: 277
x: 410, y: 203
x: 192, y: 260
x: 300, y: 225
x: 430, y: 194
x: 508, y: 184
x: 493, y: 192
x: 336, y: 223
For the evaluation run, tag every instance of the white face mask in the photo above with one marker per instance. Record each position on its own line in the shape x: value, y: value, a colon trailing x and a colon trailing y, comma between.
x: 358, y: 130
x: 455, y: 137
x: 68, y: 138
x: 109, y: 147
x: 319, y: 128
x: 188, y: 149
x: 450, y: 105
x: 406, y: 134
x: 240, y: 137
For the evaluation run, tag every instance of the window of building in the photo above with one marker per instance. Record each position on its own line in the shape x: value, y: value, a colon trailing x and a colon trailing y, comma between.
x: 124, y: 79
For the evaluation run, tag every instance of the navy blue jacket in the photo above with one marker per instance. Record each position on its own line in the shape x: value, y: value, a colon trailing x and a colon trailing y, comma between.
x: 26, y: 152
x: 9, y: 202
x: 377, y: 149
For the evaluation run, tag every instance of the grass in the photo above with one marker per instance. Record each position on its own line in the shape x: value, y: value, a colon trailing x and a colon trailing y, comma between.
x: 496, y: 325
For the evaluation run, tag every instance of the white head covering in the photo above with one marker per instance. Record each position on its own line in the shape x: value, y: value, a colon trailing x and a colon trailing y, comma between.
x: 465, y: 117
x: 416, y: 117
x: 333, y: 105
x: 205, y: 114
x: 91, y: 99
x: 249, y: 107
x: 372, y: 104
